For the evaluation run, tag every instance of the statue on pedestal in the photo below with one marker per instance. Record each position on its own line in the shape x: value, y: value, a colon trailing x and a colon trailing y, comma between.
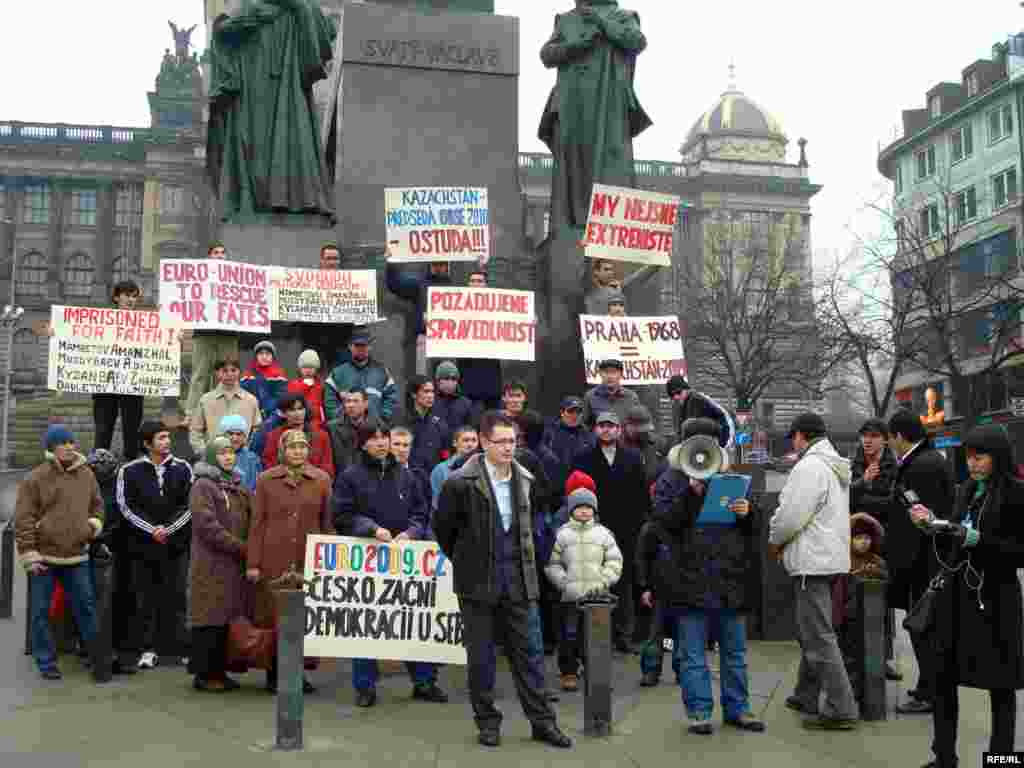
x: 263, y: 148
x: 593, y: 113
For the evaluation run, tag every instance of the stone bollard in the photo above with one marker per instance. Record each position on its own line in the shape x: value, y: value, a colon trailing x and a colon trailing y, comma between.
x: 291, y: 629
x: 597, y: 661
x: 7, y: 571
x: 871, y: 609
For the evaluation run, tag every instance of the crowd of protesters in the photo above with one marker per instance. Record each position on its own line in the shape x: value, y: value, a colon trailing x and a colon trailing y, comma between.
x: 536, y: 514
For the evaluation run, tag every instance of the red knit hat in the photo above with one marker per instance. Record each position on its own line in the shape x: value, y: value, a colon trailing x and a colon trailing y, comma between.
x: 580, y: 480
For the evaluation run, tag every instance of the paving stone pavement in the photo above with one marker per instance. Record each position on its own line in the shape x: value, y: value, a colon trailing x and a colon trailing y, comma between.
x: 156, y: 720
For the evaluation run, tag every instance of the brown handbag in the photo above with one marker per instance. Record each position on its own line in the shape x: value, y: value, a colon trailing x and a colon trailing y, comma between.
x: 250, y: 647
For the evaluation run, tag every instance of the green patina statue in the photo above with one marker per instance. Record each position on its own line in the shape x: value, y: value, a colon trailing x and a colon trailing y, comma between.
x: 263, y: 148
x: 593, y: 113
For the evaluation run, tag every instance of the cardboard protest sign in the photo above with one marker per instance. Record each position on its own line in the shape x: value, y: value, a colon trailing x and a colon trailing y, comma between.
x: 650, y: 348
x: 113, y: 351
x: 427, y: 224
x: 323, y: 295
x: 631, y: 225
x: 369, y: 600
x: 213, y: 294
x: 481, y: 323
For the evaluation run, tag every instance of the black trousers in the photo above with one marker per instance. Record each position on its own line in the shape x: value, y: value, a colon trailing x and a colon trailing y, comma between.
x: 624, y: 613
x: 509, y: 620
x: 159, y: 621
x: 947, y: 716
x: 209, y: 652
x: 925, y: 655
x: 104, y: 413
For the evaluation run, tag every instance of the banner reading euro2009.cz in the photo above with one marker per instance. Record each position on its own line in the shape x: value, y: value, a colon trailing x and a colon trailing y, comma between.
x: 367, y: 599
x: 113, y: 351
x: 650, y: 348
x: 631, y: 225
x: 427, y: 224
x: 214, y: 294
x: 323, y: 295
x: 481, y: 323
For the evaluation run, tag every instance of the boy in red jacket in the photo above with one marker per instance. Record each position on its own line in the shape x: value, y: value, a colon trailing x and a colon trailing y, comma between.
x: 310, y: 386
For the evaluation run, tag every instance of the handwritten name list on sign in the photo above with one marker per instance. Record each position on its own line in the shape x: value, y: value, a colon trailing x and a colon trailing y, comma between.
x: 650, y: 348
x: 631, y: 225
x: 481, y: 323
x: 323, y: 295
x: 427, y: 224
x: 215, y: 295
x: 370, y: 600
x: 113, y: 351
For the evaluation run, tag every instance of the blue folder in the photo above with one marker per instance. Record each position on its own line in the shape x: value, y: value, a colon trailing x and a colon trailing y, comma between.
x: 722, y: 491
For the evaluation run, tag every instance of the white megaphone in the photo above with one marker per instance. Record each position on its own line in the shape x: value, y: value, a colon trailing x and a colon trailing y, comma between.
x: 700, y: 457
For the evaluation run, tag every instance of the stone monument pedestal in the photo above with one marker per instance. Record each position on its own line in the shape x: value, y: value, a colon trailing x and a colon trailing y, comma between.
x: 560, y: 300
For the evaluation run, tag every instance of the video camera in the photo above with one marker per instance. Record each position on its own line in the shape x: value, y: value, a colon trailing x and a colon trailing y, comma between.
x: 907, y: 498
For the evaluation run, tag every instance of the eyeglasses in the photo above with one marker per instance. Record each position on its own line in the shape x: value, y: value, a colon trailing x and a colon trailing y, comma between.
x: 508, y: 442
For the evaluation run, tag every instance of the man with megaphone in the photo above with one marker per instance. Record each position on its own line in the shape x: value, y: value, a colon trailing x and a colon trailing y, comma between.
x: 694, y: 566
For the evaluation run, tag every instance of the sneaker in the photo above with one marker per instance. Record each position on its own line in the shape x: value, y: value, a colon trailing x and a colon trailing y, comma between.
x: 702, y: 727
x: 148, y: 660
x: 51, y: 674
x: 822, y: 723
x: 366, y: 697
x: 570, y: 683
x: 649, y: 679
x: 745, y: 722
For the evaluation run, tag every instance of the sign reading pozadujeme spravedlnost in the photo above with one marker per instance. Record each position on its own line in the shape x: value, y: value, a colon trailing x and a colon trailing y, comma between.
x: 426, y: 224
x: 301, y: 295
x: 490, y: 323
x: 650, y: 348
x: 113, y: 351
x: 371, y: 600
x: 212, y: 294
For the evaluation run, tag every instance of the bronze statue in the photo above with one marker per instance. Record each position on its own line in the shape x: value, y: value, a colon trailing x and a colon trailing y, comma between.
x: 263, y: 147
x: 592, y: 114
x: 182, y: 39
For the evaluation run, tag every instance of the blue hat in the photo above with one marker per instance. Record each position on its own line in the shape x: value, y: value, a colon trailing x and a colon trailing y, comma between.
x: 233, y: 423
x: 57, y: 434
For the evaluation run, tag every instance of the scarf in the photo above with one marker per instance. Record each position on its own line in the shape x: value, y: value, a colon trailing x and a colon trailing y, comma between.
x: 290, y: 437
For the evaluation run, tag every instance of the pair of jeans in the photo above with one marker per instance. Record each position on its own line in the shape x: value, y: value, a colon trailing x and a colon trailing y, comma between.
x: 695, y: 680
x: 77, y: 583
x: 366, y: 671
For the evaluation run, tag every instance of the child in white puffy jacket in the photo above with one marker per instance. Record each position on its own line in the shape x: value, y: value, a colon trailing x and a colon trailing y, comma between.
x: 585, y: 559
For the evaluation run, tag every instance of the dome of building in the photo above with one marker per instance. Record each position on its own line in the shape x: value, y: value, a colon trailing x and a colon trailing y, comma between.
x: 736, y: 128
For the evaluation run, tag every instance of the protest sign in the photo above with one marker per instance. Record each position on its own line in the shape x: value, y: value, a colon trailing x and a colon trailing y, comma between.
x: 631, y: 225
x: 113, y: 351
x: 369, y: 600
x: 650, y: 348
x: 481, y: 323
x: 426, y: 224
x: 323, y: 295
x: 213, y: 294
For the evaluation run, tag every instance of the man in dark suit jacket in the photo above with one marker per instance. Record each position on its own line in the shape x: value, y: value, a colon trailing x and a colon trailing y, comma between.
x: 622, y: 497
x: 908, y: 552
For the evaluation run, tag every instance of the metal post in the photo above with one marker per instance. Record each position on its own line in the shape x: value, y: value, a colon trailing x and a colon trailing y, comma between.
x: 291, y: 611
x: 7, y: 571
x: 597, y: 660
x: 10, y: 323
x: 101, y: 650
x: 871, y: 609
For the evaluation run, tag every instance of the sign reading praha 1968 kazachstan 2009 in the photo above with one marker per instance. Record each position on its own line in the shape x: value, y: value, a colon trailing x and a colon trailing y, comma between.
x: 367, y: 599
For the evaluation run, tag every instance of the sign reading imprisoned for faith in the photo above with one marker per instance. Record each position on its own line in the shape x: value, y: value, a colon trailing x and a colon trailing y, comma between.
x: 631, y: 225
x: 323, y: 295
x: 650, y: 348
x: 371, y: 600
x: 481, y: 323
x: 113, y: 351
x: 213, y: 294
x: 426, y: 224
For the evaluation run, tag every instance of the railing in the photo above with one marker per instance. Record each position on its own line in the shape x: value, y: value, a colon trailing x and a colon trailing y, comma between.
x: 537, y: 162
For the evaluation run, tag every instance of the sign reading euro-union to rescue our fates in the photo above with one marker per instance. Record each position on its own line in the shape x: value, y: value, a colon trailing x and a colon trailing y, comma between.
x: 215, y: 295
x: 367, y: 599
x: 113, y: 351
x: 489, y: 323
x: 650, y: 348
x: 426, y: 224
x: 631, y: 225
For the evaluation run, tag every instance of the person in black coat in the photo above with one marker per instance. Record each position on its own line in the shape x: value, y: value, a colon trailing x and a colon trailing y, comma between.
x: 874, y: 472
x: 450, y: 405
x: 568, y: 436
x: 925, y: 472
x: 618, y: 473
x: 431, y: 436
x: 978, y: 618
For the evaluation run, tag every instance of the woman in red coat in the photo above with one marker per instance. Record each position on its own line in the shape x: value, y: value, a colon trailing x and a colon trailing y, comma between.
x: 297, y: 416
x: 310, y: 386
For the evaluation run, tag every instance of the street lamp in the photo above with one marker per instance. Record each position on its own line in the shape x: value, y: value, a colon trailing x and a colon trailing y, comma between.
x: 8, y: 321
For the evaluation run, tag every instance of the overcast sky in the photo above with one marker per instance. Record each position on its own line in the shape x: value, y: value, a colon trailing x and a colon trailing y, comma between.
x: 836, y: 73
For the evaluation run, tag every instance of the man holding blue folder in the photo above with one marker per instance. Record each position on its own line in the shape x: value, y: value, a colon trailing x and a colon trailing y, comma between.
x: 700, y: 555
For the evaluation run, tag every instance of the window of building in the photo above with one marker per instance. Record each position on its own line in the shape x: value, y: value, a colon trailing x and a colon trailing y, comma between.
x: 979, y: 263
x: 37, y: 204
x: 79, y: 275
x: 1000, y: 123
x: 83, y: 207
x: 935, y: 106
x: 25, y: 353
x: 172, y: 199
x: 971, y: 81
x: 966, y: 201
x: 898, y: 178
x: 901, y: 235
x: 929, y: 224
x: 926, y: 162
x: 32, y: 275
x: 989, y: 391
x: 128, y: 206
x: 1004, y: 188
x: 962, y: 142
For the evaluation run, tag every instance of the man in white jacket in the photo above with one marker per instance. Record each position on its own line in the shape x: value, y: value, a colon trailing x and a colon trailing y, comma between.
x: 810, y: 530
